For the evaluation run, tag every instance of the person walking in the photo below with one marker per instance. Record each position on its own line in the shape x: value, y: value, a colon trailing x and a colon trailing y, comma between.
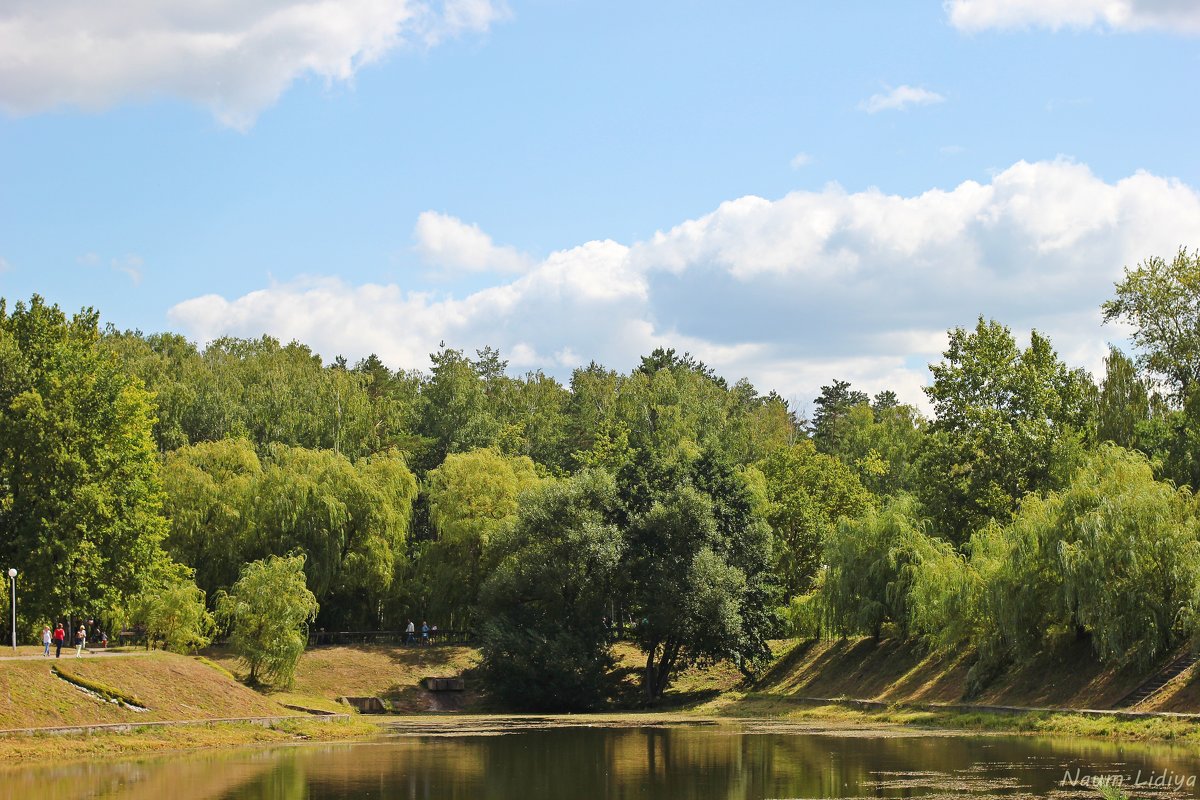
x: 59, y: 636
x: 424, y: 633
x: 80, y: 641
x: 410, y: 632
x: 46, y: 638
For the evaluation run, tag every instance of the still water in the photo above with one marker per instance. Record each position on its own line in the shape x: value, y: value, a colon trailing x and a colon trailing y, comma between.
x: 497, y: 760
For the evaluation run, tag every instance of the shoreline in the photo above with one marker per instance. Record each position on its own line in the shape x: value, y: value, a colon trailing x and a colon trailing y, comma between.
x: 21, y: 748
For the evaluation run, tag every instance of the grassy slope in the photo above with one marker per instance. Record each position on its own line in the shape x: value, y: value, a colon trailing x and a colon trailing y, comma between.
x: 893, y: 672
x: 173, y: 687
x: 327, y: 673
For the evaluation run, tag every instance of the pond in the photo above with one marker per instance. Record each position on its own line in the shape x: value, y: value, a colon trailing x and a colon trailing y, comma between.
x: 571, y: 759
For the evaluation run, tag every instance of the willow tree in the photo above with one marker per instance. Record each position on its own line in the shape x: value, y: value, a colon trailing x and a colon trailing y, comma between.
x: 1130, y: 557
x: 80, y: 497
x: 211, y: 490
x: 350, y: 520
x: 266, y: 613
x: 471, y: 496
x: 1114, y: 557
x: 866, y: 578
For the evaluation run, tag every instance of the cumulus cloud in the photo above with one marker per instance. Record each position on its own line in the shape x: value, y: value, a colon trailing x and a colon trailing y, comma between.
x: 900, y: 98
x: 235, y: 58
x: 791, y: 293
x: 447, y: 243
x: 1123, y: 15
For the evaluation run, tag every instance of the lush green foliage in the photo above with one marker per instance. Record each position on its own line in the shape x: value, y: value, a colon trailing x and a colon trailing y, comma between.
x: 867, y: 569
x: 175, y: 616
x: 807, y: 492
x: 665, y: 504
x: 697, y: 575
x: 80, y: 497
x: 547, y: 600
x: 1009, y: 422
x: 471, y: 496
x: 1161, y: 300
x: 350, y: 519
x: 267, y: 613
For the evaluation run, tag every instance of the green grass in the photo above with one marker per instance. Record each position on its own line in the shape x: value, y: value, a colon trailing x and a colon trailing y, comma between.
x: 1040, y: 723
x: 107, y: 745
x: 104, y: 690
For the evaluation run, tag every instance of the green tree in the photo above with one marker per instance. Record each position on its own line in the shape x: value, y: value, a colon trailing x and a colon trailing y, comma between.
x: 211, y: 494
x: 267, y: 613
x: 1124, y: 402
x: 697, y: 572
x: 458, y: 415
x: 175, y: 616
x: 867, y: 572
x: 545, y: 643
x: 1161, y: 301
x: 834, y: 403
x: 1008, y: 422
x: 350, y: 520
x: 470, y: 496
x: 1113, y: 556
x: 881, y: 443
x: 80, y: 497
x: 807, y: 492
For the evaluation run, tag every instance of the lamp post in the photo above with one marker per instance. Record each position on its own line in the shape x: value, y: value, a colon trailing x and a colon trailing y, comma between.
x: 12, y: 577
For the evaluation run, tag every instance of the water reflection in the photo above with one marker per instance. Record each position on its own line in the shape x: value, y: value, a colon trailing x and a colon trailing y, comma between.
x: 751, y: 760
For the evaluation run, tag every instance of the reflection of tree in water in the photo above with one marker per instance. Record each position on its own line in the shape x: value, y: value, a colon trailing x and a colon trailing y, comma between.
x: 288, y: 780
x: 197, y: 777
x: 720, y: 762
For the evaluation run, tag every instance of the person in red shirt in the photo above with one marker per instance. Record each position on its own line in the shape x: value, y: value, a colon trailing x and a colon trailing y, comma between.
x: 59, y: 635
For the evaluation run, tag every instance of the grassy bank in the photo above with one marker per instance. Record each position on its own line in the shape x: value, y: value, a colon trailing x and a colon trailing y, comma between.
x: 391, y: 672
x: 173, y: 687
x: 892, y: 671
x: 108, y: 745
x: 1047, y: 723
x: 168, y: 686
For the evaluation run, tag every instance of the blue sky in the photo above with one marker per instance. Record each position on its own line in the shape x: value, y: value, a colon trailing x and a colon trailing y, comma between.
x: 795, y: 192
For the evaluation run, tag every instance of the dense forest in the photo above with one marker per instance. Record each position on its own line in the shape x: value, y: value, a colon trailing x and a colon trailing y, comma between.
x: 143, y: 479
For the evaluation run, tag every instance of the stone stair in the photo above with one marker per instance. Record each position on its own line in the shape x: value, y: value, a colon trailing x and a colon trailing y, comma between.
x: 1158, y: 680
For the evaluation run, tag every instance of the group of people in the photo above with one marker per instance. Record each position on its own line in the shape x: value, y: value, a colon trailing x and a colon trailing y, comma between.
x: 410, y: 633
x: 59, y: 635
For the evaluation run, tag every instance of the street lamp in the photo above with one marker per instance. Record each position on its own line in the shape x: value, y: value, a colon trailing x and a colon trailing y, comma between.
x: 12, y: 576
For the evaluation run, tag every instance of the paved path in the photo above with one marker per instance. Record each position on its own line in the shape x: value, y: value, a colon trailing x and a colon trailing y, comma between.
x: 67, y: 653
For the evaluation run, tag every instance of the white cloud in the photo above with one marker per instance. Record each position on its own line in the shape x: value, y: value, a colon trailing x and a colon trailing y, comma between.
x: 5, y: 266
x: 450, y: 244
x: 128, y: 265
x: 234, y: 57
x: 1178, y: 16
x: 801, y: 160
x: 791, y: 293
x: 900, y: 98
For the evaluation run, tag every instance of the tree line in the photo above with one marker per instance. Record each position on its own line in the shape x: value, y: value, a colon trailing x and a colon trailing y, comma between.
x: 144, y: 479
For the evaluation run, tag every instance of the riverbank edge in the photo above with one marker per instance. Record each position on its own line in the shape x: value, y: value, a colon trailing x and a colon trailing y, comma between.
x: 82, y: 743
x: 126, y: 740
x: 966, y: 718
